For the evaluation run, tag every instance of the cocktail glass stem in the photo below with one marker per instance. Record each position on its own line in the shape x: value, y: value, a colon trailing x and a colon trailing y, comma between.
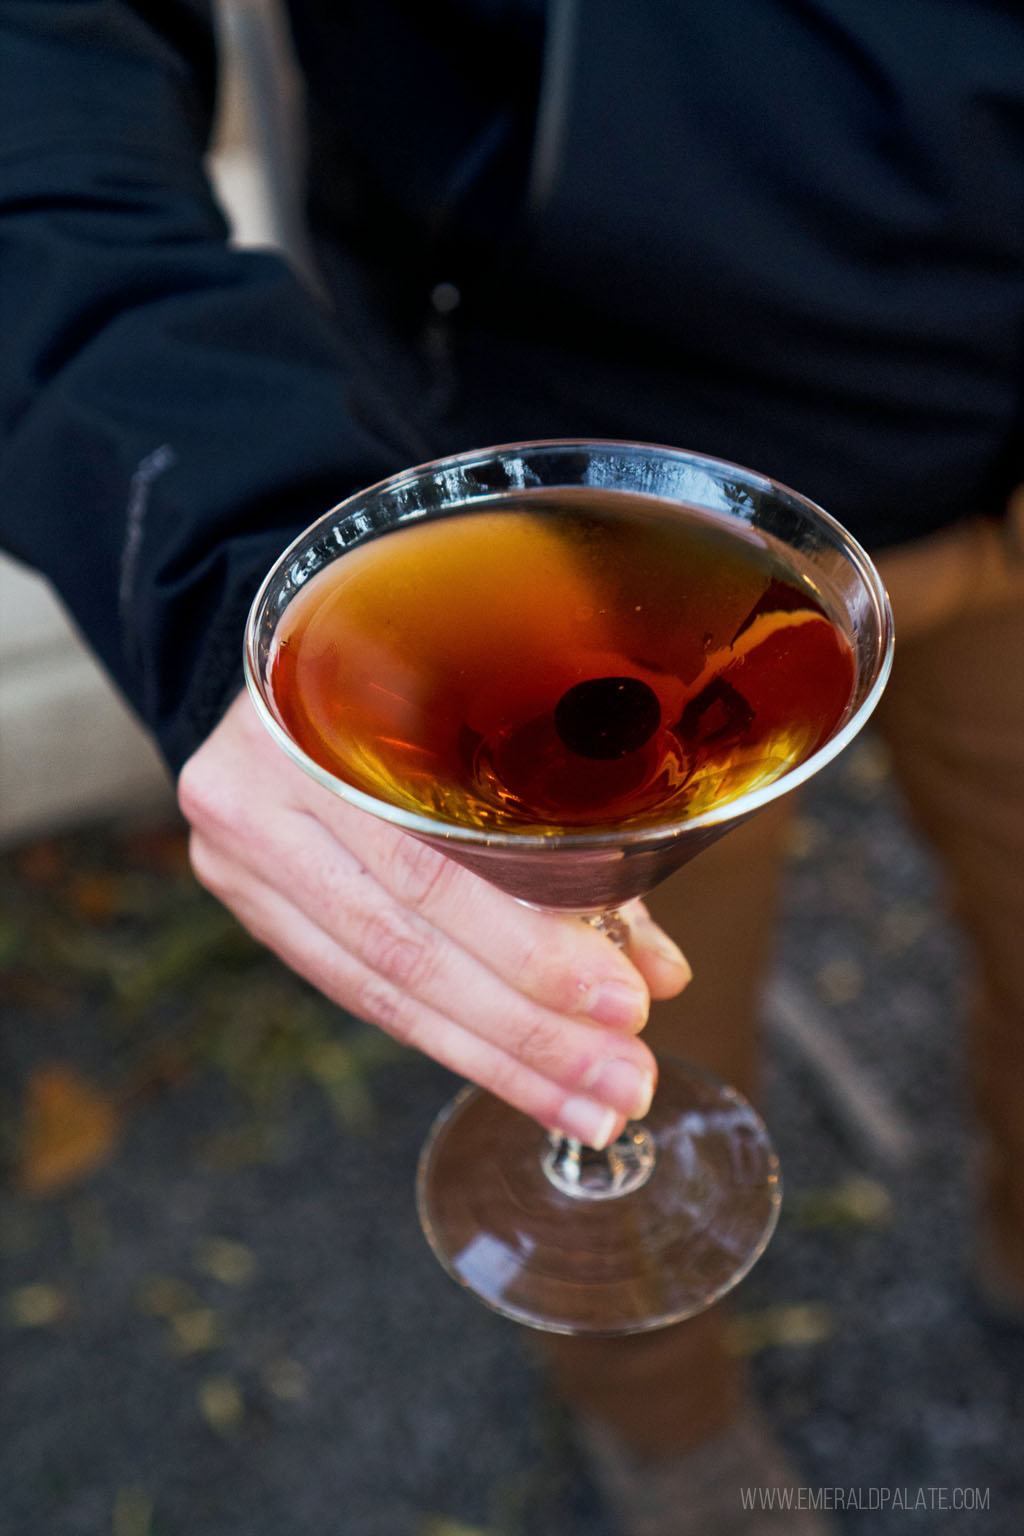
x: 618, y: 1169
x: 608, y: 1173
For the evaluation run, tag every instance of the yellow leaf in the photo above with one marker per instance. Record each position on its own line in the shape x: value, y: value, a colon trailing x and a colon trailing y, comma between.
x: 225, y: 1260
x: 788, y: 1324
x: 195, y: 1331
x: 38, y: 1305
x: 221, y: 1403
x: 857, y: 1202
x: 70, y: 1129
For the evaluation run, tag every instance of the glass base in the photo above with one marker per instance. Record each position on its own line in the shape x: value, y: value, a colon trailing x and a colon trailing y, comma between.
x: 535, y: 1251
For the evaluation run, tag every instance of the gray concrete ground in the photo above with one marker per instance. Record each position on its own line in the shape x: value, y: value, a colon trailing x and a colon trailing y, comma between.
x: 233, y: 1324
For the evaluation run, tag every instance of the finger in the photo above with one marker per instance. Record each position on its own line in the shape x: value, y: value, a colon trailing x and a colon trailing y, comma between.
x: 342, y: 976
x: 424, y: 967
x: 558, y: 961
x: 658, y: 958
x: 552, y: 957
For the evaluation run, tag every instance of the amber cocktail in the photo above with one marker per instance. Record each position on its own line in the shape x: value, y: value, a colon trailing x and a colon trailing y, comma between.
x: 571, y: 666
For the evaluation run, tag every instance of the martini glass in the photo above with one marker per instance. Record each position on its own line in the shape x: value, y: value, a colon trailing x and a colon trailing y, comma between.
x: 670, y: 1216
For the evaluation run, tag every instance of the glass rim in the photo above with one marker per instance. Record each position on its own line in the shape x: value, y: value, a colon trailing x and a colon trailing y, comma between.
x: 583, y: 839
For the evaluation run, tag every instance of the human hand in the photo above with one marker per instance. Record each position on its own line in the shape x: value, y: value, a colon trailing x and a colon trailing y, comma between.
x: 537, y: 1007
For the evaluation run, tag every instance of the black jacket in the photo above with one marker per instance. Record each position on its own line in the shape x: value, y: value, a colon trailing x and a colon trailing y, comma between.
x: 790, y: 232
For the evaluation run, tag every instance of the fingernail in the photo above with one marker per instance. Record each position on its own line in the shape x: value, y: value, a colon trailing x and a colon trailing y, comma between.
x: 628, y: 1088
x: 616, y: 1005
x: 593, y: 1124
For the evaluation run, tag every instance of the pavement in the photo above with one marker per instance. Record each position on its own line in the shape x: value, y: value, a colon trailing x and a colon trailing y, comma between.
x: 218, y: 1314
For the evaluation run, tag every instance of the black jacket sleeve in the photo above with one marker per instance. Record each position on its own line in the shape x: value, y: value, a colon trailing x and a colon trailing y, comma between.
x: 172, y: 409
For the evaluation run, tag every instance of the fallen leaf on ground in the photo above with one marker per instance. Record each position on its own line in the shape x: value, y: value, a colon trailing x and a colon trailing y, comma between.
x: 38, y: 1305
x: 94, y: 896
x: 796, y: 1323
x: 225, y: 1260
x: 221, y: 1403
x: 196, y: 1331
x: 856, y: 1202
x: 70, y: 1129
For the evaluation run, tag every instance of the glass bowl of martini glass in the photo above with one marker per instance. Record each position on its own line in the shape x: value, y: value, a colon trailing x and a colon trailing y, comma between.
x: 571, y: 666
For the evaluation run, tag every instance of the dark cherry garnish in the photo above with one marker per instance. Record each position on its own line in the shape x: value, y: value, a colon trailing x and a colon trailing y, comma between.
x: 607, y: 717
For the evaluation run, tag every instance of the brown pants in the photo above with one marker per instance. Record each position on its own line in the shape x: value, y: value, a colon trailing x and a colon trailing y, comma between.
x: 953, y: 719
